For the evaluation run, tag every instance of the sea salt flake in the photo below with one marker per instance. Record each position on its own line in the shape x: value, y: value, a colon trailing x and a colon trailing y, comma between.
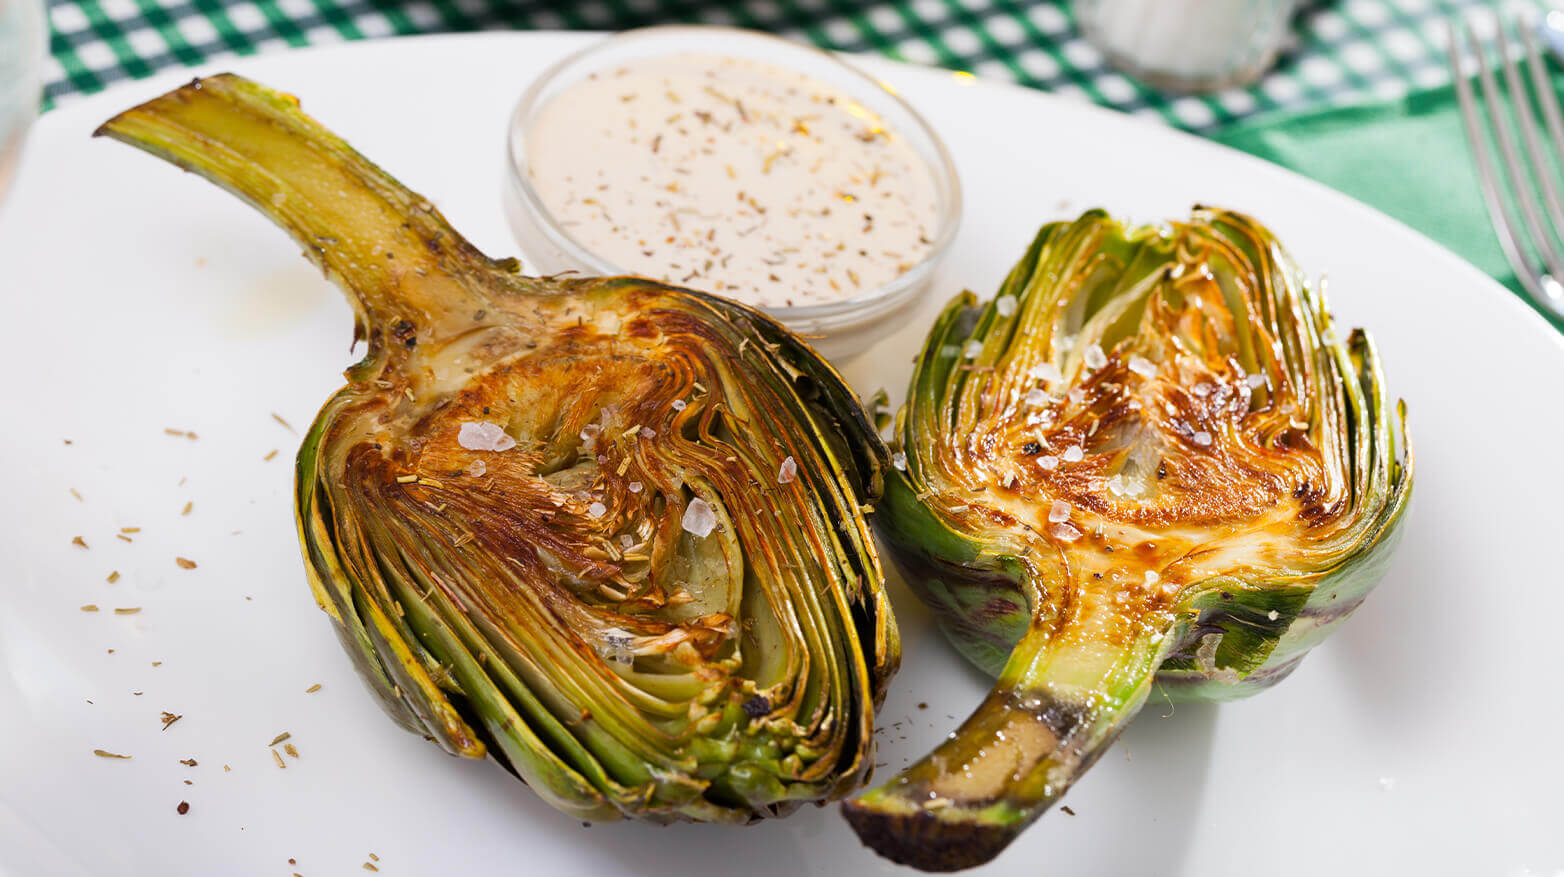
x: 1204, y: 389
x: 787, y: 473
x: 1126, y: 486
x: 1152, y: 577
x: 1005, y: 305
x: 699, y: 519
x: 1046, y: 372
x: 1073, y: 454
x: 1205, y: 659
x: 626, y: 540
x: 972, y: 349
x: 648, y: 433
x: 1142, y: 366
x: 633, y: 487
x: 1077, y: 396
x: 1273, y: 615
x: 899, y: 460
x: 1059, y: 511
x: 1255, y: 382
x: 615, y: 646
x: 1048, y: 461
x: 680, y: 404
x: 597, y: 510
x: 1036, y: 398
x: 479, y: 435
x: 1202, y: 438
x: 1064, y: 532
x: 1094, y: 357
x: 477, y: 468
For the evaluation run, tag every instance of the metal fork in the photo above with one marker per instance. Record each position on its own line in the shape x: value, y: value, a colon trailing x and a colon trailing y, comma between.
x: 1530, y: 238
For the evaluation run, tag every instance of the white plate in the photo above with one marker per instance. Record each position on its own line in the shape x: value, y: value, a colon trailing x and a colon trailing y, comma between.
x: 1421, y: 739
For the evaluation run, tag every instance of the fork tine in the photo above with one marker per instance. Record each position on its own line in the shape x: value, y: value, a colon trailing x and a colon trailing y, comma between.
x: 1545, y: 234
x: 1493, y: 198
x: 1543, y: 85
x: 1532, y: 230
x: 1548, y: 100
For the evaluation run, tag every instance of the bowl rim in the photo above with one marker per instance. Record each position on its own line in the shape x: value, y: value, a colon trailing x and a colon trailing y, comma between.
x: 942, y: 167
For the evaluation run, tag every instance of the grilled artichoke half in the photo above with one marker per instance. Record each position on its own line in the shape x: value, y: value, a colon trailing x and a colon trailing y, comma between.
x: 1148, y: 460
x: 609, y: 531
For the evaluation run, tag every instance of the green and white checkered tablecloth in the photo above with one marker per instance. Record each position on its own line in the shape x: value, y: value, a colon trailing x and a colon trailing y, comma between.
x: 1344, y: 51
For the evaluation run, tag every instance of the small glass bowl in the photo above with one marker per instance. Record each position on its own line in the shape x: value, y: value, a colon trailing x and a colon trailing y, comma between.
x: 22, y: 43
x: 1187, y: 46
x: 837, y: 329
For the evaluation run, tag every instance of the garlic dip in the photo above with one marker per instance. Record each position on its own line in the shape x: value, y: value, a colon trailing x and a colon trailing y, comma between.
x: 734, y: 176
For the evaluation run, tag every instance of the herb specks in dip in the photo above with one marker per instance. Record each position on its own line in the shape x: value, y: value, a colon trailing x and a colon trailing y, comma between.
x: 735, y: 176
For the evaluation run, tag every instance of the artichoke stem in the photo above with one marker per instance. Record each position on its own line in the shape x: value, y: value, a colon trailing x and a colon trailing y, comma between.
x: 1015, y: 755
x: 409, y: 272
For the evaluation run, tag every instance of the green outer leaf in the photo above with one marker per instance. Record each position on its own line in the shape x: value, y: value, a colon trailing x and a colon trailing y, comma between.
x: 977, y: 597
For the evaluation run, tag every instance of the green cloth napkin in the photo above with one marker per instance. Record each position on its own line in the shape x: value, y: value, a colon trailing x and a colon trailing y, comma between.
x: 1407, y: 158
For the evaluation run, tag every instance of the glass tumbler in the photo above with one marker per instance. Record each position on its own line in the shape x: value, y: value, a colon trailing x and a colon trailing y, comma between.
x: 22, y: 44
x: 1187, y: 45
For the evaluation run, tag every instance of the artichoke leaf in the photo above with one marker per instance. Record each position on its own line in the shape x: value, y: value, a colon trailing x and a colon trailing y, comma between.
x: 1149, y: 461
x: 608, y: 531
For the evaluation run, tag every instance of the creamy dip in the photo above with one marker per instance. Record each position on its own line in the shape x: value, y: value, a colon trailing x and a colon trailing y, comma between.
x: 734, y: 176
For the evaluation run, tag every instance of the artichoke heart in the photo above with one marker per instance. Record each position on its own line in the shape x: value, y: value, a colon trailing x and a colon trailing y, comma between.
x: 608, y: 531
x: 1149, y: 460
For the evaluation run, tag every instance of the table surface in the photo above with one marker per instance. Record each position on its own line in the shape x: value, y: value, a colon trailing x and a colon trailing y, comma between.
x: 1342, y: 51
